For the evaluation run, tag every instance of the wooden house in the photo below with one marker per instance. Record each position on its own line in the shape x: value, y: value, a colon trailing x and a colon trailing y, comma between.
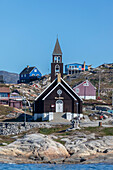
x: 29, y: 74
x: 58, y: 97
x: 86, y: 90
x: 4, y: 95
x: 74, y: 68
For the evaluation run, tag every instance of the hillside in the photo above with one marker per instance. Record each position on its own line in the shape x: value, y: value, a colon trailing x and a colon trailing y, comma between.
x: 105, y: 72
x: 9, y: 77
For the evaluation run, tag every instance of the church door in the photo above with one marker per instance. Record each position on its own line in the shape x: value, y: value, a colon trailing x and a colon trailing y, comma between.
x: 59, y: 106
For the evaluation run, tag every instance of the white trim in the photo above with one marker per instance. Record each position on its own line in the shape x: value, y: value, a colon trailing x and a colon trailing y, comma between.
x: 55, y: 87
x: 45, y: 89
x: 71, y: 89
x: 61, y: 111
x: 88, y: 97
x: 83, y: 82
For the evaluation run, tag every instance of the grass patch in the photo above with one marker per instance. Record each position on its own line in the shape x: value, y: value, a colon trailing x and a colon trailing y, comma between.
x: 99, y: 131
x: 57, y: 129
x: 4, y: 110
x: 6, y: 139
x: 59, y: 141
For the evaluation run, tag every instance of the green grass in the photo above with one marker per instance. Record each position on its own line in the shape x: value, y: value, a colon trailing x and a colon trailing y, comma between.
x: 6, y: 139
x: 4, y: 110
x: 59, y: 141
x: 57, y: 129
x: 99, y: 131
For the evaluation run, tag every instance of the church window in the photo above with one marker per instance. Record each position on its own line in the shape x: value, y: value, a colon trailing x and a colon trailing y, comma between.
x: 57, y: 59
x: 57, y: 69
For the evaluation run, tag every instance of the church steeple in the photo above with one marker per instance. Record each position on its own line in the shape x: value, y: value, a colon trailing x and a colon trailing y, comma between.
x: 57, y: 49
x: 56, y: 65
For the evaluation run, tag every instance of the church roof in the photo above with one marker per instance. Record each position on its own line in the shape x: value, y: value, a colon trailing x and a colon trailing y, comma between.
x: 57, y: 49
x: 53, y: 85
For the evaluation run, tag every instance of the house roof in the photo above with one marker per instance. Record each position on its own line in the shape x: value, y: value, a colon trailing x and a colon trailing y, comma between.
x: 4, y: 90
x: 57, y: 49
x: 27, y: 70
x: 83, y: 83
x: 77, y: 64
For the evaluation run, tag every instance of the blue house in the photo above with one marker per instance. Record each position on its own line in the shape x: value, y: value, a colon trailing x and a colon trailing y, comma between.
x: 29, y: 74
x: 76, y: 67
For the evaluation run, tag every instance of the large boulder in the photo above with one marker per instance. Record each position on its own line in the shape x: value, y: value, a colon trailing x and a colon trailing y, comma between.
x: 38, y: 146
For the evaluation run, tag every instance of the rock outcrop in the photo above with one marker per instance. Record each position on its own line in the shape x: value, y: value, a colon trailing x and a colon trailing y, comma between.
x: 86, y: 145
x: 35, y: 146
x: 38, y: 148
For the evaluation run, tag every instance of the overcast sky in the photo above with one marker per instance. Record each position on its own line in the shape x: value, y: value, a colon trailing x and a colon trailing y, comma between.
x: 29, y: 28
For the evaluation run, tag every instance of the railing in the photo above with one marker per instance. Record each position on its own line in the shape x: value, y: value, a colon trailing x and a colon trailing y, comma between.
x: 73, y: 68
x: 11, y: 97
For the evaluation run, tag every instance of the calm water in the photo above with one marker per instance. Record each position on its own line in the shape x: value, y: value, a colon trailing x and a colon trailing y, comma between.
x: 55, y: 167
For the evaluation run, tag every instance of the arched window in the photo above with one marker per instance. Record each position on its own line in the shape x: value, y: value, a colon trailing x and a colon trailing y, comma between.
x: 57, y: 59
x: 57, y: 69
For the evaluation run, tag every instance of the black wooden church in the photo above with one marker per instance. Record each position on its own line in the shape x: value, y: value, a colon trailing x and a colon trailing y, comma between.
x: 58, y: 96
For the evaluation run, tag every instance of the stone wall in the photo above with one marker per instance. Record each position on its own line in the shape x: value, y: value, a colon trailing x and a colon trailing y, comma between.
x: 14, y: 128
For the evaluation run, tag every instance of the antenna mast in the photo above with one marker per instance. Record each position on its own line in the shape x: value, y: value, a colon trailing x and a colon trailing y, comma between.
x: 99, y: 84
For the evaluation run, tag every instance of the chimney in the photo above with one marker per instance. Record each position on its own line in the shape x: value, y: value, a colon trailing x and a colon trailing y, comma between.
x: 84, y: 65
x: 27, y: 66
x: 59, y: 78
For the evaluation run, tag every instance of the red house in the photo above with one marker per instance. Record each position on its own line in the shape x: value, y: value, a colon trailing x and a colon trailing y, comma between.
x: 86, y: 90
x: 4, y: 95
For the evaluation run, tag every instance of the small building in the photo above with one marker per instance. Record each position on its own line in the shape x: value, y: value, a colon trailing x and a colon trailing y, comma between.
x: 1, y: 79
x: 15, y: 100
x: 58, y: 97
x: 4, y: 95
x: 86, y: 90
x: 76, y: 68
x: 29, y: 74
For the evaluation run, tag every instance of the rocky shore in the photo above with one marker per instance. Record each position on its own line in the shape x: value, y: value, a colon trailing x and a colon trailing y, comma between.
x: 39, y: 148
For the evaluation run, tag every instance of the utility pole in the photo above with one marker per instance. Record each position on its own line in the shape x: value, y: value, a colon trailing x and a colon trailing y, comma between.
x: 99, y: 84
x: 112, y: 98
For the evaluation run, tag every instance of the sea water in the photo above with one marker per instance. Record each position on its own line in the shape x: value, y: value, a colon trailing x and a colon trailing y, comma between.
x: 56, y: 166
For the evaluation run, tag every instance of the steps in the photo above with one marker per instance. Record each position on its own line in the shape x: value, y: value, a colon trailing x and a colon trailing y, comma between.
x: 59, y: 118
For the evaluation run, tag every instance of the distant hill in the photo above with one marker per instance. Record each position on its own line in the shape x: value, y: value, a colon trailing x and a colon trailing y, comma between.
x: 9, y: 77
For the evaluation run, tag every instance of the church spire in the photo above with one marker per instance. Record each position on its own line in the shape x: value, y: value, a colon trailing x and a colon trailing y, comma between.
x: 57, y: 49
x: 56, y: 65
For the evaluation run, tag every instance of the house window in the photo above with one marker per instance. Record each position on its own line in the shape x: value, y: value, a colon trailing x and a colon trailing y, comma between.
x: 24, y: 75
x: 69, y: 72
x: 77, y: 90
x: 35, y: 70
x: 57, y: 69
x: 33, y: 74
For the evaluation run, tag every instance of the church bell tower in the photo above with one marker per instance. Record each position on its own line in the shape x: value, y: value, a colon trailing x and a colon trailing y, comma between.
x: 56, y: 65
